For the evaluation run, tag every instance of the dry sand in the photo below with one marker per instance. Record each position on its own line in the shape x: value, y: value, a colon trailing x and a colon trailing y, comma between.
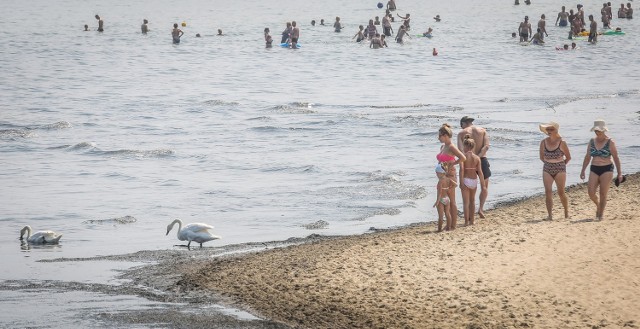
x: 509, y: 270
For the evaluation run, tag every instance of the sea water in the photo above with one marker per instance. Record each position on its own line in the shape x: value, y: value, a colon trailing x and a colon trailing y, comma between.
x: 108, y: 137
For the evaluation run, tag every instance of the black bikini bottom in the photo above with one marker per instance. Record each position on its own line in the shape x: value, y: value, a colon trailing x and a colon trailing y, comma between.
x: 599, y: 170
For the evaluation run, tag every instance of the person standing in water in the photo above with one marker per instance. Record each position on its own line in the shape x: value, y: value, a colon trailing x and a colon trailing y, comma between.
x: 176, y: 34
x: 524, y: 30
x: 144, y: 26
x: 593, y: 30
x: 542, y: 25
x: 100, y: 24
x: 337, y: 26
x: 295, y: 35
x: 386, y: 26
x: 563, y: 18
x: 286, y: 33
x: 267, y: 38
x: 391, y: 5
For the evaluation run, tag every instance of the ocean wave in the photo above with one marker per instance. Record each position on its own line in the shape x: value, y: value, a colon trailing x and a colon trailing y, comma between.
x: 294, y: 108
x: 83, y: 146
x: 119, y: 220
x: 55, y: 126
x: 300, y: 169
x: 378, y: 212
x: 219, y: 102
x: 317, y: 225
x: 16, y: 133
x: 158, y: 153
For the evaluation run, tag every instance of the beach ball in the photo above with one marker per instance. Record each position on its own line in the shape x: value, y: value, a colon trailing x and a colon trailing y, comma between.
x: 380, y: 5
x: 184, y: 24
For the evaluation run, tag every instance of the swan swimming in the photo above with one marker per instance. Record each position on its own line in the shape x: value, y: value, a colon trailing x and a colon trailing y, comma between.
x: 197, y: 232
x: 40, y: 237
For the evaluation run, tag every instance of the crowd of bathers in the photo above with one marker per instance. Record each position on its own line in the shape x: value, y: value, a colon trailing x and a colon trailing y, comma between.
x: 577, y: 23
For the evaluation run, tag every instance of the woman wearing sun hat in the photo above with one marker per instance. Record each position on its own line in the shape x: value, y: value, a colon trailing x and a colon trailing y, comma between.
x: 555, y: 155
x: 602, y: 154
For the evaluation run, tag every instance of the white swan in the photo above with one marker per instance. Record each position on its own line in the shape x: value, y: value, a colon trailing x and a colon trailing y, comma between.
x: 40, y: 237
x: 197, y: 232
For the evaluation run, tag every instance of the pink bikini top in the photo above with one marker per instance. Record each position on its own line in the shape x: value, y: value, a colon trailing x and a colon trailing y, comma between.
x: 443, y: 157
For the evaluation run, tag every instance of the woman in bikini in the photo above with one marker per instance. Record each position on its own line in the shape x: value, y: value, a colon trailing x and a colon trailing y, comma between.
x: 471, y: 172
x: 602, y: 154
x: 443, y: 202
x: 448, y: 154
x: 555, y: 155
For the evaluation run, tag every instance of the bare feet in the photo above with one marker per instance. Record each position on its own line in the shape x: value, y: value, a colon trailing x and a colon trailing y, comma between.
x: 481, y: 214
x: 566, y: 214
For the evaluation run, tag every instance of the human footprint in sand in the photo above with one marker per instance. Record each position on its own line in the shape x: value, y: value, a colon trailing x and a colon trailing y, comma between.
x: 602, y: 154
x: 555, y: 155
x: 471, y: 172
x: 443, y: 202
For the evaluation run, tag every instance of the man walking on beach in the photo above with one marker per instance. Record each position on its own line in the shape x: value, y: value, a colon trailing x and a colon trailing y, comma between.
x: 481, y: 139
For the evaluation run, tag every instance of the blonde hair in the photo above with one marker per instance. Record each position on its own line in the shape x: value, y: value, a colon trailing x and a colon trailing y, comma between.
x: 468, y: 142
x: 445, y: 129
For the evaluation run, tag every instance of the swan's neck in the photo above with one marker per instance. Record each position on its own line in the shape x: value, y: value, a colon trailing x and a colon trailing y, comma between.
x: 28, y: 230
x: 179, y: 222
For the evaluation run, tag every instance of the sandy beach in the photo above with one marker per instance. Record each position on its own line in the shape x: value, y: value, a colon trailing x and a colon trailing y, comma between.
x: 511, y: 269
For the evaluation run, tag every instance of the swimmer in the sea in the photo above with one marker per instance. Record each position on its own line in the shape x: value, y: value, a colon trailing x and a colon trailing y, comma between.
x: 428, y: 33
x: 360, y: 34
x: 100, y: 24
x: 144, y: 26
x: 176, y: 34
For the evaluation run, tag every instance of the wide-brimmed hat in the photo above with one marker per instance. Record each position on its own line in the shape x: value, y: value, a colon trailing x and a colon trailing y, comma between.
x: 599, y: 125
x: 543, y: 126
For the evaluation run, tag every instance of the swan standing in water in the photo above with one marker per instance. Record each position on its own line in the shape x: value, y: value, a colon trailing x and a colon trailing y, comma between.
x: 40, y: 237
x: 197, y: 232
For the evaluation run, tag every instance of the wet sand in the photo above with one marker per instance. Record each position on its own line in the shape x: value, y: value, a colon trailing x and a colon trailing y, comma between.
x: 512, y: 269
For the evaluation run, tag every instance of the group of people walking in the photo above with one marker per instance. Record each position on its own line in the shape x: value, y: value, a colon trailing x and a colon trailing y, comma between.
x: 601, y: 155
x: 474, y: 169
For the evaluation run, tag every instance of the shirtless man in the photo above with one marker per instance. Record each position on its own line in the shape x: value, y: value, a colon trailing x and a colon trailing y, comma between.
x: 391, y: 5
x: 593, y: 30
x: 524, y: 30
x: 386, y: 26
x: 629, y: 10
x: 144, y: 26
x: 406, y: 21
x: 563, y: 17
x: 100, y: 24
x: 176, y: 33
x: 295, y: 34
x: 481, y: 140
x: 542, y: 25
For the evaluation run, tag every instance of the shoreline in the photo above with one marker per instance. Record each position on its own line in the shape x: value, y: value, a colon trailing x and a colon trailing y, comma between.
x: 511, y: 269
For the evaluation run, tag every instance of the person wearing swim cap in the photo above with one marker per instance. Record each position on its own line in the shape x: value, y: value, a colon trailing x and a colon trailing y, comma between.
x: 481, y: 146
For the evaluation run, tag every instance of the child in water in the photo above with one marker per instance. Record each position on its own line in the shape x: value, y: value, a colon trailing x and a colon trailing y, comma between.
x: 267, y: 37
x: 443, y: 204
x: 337, y: 26
x: 428, y: 33
x: 359, y: 34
